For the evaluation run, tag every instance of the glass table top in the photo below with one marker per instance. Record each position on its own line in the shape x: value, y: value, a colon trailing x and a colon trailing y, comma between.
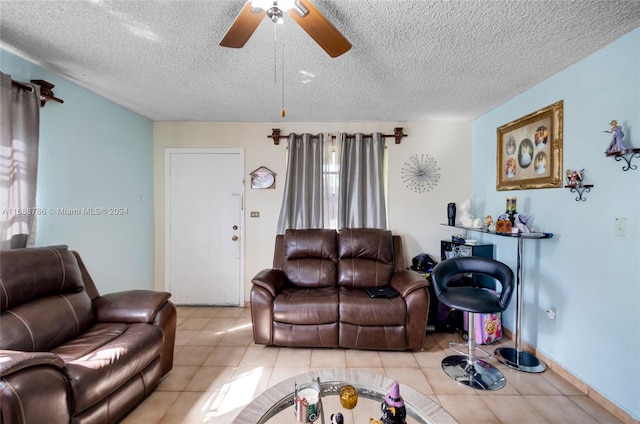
x: 275, y: 405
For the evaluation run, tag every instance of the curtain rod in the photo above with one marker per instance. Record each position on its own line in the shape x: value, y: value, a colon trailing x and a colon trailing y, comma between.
x: 397, y: 134
x: 46, y: 93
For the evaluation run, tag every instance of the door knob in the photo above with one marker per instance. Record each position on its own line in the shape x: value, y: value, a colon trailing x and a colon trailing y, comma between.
x: 234, y: 238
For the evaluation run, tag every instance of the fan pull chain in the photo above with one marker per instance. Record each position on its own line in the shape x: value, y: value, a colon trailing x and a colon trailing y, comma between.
x: 275, y: 55
x: 282, y: 111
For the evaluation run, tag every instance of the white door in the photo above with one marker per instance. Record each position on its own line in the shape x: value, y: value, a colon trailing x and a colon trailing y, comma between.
x: 204, y: 226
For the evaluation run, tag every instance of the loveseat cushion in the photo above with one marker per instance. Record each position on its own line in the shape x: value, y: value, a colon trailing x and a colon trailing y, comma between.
x: 100, y: 361
x: 357, y: 307
x: 310, y: 257
x: 306, y: 306
x: 366, y: 257
x: 41, y: 286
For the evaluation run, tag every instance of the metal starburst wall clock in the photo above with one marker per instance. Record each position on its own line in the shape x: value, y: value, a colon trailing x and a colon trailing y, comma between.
x: 420, y: 173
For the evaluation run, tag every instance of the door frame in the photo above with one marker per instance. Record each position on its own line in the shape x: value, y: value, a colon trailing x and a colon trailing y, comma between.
x: 167, y: 211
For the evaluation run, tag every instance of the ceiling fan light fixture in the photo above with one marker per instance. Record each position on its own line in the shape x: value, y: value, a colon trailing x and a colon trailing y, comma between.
x: 265, y: 5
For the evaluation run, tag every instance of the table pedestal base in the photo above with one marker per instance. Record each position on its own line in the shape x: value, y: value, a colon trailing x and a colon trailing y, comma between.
x: 524, y: 361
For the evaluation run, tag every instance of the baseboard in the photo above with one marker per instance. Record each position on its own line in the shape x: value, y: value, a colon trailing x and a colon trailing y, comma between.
x: 618, y: 412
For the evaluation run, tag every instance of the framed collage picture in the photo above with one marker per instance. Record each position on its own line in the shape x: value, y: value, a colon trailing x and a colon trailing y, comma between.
x: 529, y: 151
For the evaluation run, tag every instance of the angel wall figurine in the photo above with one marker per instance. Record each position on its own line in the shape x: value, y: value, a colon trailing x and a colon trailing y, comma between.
x: 616, y: 145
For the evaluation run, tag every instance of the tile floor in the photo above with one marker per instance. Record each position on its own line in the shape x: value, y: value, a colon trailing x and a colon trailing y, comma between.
x: 218, y: 370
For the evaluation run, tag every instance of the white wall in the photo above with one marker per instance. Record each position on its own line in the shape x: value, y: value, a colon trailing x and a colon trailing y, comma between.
x: 587, y: 272
x: 94, y: 154
x: 411, y: 215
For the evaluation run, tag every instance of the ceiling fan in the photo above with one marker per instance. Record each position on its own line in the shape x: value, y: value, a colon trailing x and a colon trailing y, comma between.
x: 301, y: 11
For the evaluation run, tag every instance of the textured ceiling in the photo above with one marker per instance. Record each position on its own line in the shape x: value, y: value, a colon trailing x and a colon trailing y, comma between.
x: 410, y: 61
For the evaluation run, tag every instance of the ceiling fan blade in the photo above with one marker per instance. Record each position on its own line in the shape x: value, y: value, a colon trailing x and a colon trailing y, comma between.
x: 320, y: 29
x: 245, y: 24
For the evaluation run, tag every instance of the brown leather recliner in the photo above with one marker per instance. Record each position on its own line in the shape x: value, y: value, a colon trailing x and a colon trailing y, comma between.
x: 69, y: 355
x: 314, y: 295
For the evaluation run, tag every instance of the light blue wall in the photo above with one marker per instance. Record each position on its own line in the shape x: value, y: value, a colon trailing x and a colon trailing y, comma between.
x: 94, y: 154
x: 585, y: 271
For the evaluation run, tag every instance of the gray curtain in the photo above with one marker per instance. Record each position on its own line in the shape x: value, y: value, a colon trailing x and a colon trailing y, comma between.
x: 19, y: 124
x: 303, y: 189
x: 361, y: 202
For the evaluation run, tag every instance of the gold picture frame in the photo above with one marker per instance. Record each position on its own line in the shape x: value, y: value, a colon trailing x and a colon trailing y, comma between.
x: 529, y: 151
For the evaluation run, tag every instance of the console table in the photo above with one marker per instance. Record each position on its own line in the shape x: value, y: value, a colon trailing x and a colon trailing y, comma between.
x: 516, y: 358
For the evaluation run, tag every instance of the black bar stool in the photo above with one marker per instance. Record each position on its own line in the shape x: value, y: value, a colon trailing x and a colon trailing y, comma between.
x: 467, y: 368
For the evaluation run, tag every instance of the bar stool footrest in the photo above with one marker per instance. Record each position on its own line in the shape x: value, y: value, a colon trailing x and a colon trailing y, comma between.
x: 452, y: 346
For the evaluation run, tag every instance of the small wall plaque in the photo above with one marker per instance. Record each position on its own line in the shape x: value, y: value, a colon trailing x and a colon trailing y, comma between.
x: 263, y: 177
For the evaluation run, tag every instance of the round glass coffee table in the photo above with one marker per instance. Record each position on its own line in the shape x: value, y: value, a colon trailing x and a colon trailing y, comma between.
x: 275, y: 405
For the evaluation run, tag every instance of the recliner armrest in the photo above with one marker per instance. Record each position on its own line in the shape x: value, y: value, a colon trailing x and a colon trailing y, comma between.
x: 130, y: 306
x: 12, y: 361
x: 271, y: 280
x: 406, y: 281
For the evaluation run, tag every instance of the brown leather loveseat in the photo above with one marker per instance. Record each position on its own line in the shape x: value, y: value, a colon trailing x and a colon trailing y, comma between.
x: 314, y: 295
x: 69, y: 355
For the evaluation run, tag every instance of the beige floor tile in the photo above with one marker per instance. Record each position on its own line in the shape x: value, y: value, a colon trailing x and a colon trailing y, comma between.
x: 178, y: 378
x: 293, y: 357
x: 230, y: 312
x: 373, y: 370
x: 196, y: 324
x: 508, y: 389
x: 592, y: 408
x: 442, y: 384
x: 398, y: 360
x: 556, y: 409
x: 529, y: 383
x: 467, y: 409
x: 185, y: 311
x: 236, y: 338
x: 430, y: 357
x: 192, y: 355
x: 206, y: 338
x: 259, y: 357
x: 514, y: 409
x: 363, y: 359
x: 227, y: 356
x: 152, y: 409
x: 328, y: 358
x: 282, y: 373
x: 205, y: 312
x: 220, y: 324
x: 561, y: 384
x: 247, y: 383
x: 210, y: 379
x: 189, y: 408
x: 411, y: 377
x: 183, y: 337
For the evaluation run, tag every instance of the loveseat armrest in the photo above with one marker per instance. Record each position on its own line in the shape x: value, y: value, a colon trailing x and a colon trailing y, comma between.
x: 130, y: 306
x: 33, y: 388
x: 271, y: 280
x: 12, y: 361
x: 406, y: 281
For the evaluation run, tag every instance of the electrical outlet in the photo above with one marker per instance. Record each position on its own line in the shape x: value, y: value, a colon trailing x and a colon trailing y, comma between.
x: 621, y: 227
x: 255, y: 214
x: 552, y: 313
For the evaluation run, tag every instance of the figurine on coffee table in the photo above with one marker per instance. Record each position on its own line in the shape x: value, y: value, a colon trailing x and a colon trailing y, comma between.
x: 393, y: 409
x: 337, y: 418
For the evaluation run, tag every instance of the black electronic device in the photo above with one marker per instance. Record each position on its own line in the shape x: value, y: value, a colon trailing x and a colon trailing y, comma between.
x: 382, y: 291
x: 423, y: 263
